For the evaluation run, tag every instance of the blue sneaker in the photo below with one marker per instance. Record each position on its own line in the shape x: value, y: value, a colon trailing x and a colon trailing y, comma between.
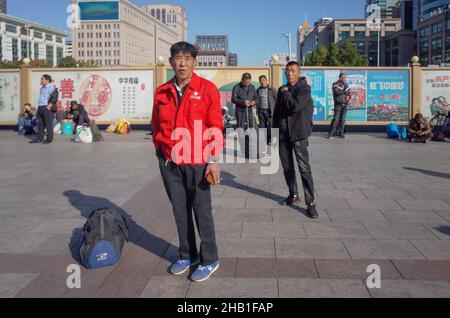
x: 182, y: 266
x: 203, y: 273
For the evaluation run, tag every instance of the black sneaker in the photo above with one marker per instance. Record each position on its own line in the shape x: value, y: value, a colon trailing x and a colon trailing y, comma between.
x: 35, y: 142
x: 312, y: 211
x: 46, y: 142
x: 342, y: 136
x: 290, y: 200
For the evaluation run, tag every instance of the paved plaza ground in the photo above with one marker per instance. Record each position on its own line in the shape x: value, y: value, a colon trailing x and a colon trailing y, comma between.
x: 381, y: 202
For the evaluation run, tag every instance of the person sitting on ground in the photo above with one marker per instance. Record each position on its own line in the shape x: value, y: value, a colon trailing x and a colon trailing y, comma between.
x: 78, y: 114
x: 226, y: 119
x: 419, y: 130
x: 27, y: 123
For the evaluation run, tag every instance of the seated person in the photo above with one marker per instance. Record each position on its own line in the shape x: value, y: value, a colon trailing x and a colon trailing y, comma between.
x: 27, y: 123
x: 226, y: 119
x: 419, y: 130
x: 78, y: 114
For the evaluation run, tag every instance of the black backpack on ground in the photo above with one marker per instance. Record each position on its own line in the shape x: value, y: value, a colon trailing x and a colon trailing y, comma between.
x: 104, y: 236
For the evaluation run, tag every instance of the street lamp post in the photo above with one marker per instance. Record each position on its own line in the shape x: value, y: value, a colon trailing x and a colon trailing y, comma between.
x: 288, y: 37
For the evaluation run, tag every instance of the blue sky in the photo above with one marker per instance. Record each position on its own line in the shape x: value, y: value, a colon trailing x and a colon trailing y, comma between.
x: 253, y: 26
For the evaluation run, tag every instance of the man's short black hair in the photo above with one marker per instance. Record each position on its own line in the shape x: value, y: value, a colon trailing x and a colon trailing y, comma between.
x: 246, y: 76
x: 47, y: 77
x: 262, y: 76
x: 292, y: 63
x: 183, y: 47
x: 342, y: 74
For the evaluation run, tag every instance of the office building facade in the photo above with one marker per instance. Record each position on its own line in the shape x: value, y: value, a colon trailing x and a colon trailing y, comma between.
x: 172, y: 15
x: 20, y: 39
x: 114, y: 33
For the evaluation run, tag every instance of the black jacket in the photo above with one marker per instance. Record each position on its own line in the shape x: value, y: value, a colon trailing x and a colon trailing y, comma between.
x: 240, y: 95
x: 80, y: 116
x: 296, y: 105
x: 272, y: 98
x: 341, y: 91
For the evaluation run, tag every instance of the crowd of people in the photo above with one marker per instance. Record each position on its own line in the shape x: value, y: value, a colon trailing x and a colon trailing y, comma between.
x: 41, y: 121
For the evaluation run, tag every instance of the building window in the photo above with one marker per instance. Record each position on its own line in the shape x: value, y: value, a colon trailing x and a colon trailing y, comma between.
x: 37, y: 35
x: 59, y: 55
x: 25, y: 49
x: 395, y: 57
x: 343, y: 35
x: 425, y: 32
x: 49, y: 37
x: 59, y: 39
x: 15, y: 50
x: 49, y: 55
x: 36, y: 51
x: 360, y: 34
x: 436, y: 51
x: 437, y: 28
x: 11, y: 28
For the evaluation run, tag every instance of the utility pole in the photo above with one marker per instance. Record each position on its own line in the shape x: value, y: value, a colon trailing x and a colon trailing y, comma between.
x: 288, y: 37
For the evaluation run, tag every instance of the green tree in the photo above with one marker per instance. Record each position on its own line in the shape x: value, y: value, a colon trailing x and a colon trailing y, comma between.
x: 317, y: 57
x: 87, y: 64
x: 351, y: 57
x: 68, y: 62
x: 39, y: 64
x: 346, y: 55
x: 334, y: 56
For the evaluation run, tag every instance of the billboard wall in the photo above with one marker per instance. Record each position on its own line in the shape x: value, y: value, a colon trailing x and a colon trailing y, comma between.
x: 435, y: 92
x: 9, y: 96
x: 107, y: 95
x: 225, y: 80
x: 377, y: 95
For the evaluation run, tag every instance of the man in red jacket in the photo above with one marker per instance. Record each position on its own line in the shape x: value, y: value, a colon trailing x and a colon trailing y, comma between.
x: 187, y: 132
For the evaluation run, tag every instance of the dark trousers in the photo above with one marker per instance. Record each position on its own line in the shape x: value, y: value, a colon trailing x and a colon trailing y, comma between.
x: 45, y: 121
x: 419, y: 138
x: 190, y: 195
x: 265, y: 122
x: 243, y: 121
x: 338, y: 123
x: 300, y: 149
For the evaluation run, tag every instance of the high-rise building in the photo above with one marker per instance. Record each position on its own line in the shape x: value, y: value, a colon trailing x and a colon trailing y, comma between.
x: 405, y: 12
x: 302, y: 33
x: 417, y: 8
x: 355, y: 31
x: 232, y: 59
x: 431, y: 8
x: 68, y: 50
x: 309, y: 38
x: 120, y: 33
x: 21, y: 39
x: 434, y: 39
x: 387, y: 7
x: 172, y: 15
x: 4, y: 6
x: 212, y: 50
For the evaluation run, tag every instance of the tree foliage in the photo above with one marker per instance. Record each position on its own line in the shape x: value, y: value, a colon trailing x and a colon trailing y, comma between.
x: 344, y: 55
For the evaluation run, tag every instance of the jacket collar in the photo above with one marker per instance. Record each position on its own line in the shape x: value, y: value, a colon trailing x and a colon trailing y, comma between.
x: 195, y: 82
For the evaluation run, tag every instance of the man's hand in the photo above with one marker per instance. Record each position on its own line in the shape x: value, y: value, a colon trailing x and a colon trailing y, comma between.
x: 49, y: 106
x: 214, y: 169
x: 247, y: 103
x: 284, y: 89
x: 252, y: 103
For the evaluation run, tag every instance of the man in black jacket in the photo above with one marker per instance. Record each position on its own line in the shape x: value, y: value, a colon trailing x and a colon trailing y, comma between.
x: 341, y: 95
x: 243, y: 97
x: 266, y: 98
x: 293, y: 116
